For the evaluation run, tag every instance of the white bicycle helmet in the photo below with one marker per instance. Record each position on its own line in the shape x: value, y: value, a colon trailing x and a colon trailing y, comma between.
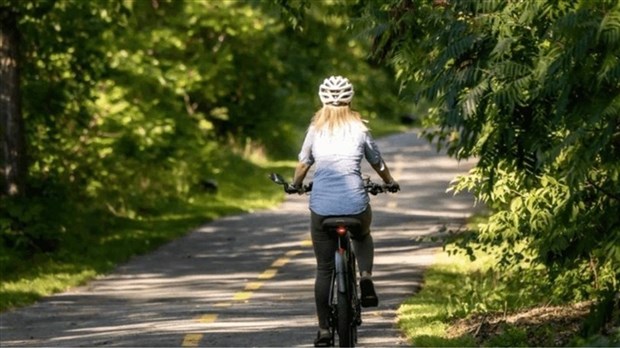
x: 336, y: 90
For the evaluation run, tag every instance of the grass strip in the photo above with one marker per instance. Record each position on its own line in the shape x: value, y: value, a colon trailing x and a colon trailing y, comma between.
x: 98, y: 245
x: 468, y: 303
x: 425, y: 317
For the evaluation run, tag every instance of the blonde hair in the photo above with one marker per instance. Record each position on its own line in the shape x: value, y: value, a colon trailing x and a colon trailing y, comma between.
x: 331, y: 119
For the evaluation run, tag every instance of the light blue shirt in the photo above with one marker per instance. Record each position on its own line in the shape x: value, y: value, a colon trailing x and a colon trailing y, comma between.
x: 338, y: 188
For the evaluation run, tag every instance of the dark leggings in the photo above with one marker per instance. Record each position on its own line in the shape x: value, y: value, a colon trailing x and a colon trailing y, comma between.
x: 325, y: 245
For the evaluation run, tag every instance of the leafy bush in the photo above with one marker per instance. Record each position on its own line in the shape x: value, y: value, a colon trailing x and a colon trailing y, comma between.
x: 530, y: 89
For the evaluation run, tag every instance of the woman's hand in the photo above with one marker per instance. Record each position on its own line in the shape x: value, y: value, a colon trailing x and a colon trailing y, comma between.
x: 393, y: 186
x: 290, y: 189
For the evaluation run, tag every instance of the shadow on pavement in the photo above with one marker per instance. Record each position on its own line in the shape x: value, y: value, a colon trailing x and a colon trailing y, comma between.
x: 247, y: 280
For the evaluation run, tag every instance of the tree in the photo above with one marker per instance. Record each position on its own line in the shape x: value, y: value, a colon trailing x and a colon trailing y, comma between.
x: 13, y: 164
x: 531, y: 89
x: 52, y: 55
x: 129, y: 105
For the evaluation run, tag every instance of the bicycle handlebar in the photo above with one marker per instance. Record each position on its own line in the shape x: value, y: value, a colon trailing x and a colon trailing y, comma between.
x: 374, y: 188
x: 369, y: 186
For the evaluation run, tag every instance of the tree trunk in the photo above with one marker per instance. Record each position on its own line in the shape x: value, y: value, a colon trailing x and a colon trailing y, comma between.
x: 12, y: 158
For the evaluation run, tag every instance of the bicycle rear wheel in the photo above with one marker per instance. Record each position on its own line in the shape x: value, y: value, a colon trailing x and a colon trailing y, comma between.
x: 346, y: 336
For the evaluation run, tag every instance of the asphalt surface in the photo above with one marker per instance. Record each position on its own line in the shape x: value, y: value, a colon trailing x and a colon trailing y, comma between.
x: 247, y: 280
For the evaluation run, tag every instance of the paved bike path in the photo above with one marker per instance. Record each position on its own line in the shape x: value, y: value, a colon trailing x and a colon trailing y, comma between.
x: 247, y: 280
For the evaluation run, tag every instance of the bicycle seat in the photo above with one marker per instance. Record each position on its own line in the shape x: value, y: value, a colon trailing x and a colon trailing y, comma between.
x: 352, y: 224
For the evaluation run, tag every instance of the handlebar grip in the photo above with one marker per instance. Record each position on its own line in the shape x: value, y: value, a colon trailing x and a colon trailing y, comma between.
x: 290, y: 189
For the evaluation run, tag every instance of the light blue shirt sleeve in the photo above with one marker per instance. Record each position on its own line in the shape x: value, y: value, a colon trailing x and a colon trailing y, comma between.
x: 305, y: 155
x: 371, y: 151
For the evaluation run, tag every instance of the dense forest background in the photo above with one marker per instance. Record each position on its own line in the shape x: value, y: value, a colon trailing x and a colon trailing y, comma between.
x: 126, y: 105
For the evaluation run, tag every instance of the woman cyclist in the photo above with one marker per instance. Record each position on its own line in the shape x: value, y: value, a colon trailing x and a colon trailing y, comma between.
x: 336, y: 141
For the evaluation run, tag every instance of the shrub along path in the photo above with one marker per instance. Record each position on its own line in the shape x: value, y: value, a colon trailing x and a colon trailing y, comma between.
x: 247, y: 280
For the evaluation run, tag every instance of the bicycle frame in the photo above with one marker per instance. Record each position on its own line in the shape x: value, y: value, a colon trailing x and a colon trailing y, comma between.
x: 344, y: 300
x: 346, y: 313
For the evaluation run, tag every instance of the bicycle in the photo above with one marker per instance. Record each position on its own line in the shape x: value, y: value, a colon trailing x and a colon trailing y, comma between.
x: 346, y: 309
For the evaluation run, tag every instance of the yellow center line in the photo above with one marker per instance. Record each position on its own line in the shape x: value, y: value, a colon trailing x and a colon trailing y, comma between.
x: 207, y: 318
x: 292, y: 253
x: 192, y: 340
x: 253, y: 286
x: 242, y: 296
x: 280, y: 262
x: 268, y: 274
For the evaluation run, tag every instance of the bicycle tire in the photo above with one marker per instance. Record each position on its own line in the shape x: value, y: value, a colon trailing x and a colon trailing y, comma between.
x: 356, y: 318
x: 345, y: 320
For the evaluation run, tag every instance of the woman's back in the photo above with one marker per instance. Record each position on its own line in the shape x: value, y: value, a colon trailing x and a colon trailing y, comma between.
x: 338, y: 188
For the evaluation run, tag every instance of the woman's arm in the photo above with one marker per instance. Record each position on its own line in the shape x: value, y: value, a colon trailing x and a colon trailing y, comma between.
x: 383, y: 171
x: 300, y: 173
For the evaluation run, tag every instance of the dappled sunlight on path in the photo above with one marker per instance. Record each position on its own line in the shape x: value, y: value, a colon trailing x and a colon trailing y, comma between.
x: 247, y: 280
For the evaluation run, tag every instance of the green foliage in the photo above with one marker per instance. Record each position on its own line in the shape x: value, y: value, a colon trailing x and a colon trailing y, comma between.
x: 457, y: 288
x: 131, y: 106
x: 60, y: 64
x: 512, y: 337
x: 92, y: 244
x: 490, y: 287
x: 612, y: 340
x: 530, y: 89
